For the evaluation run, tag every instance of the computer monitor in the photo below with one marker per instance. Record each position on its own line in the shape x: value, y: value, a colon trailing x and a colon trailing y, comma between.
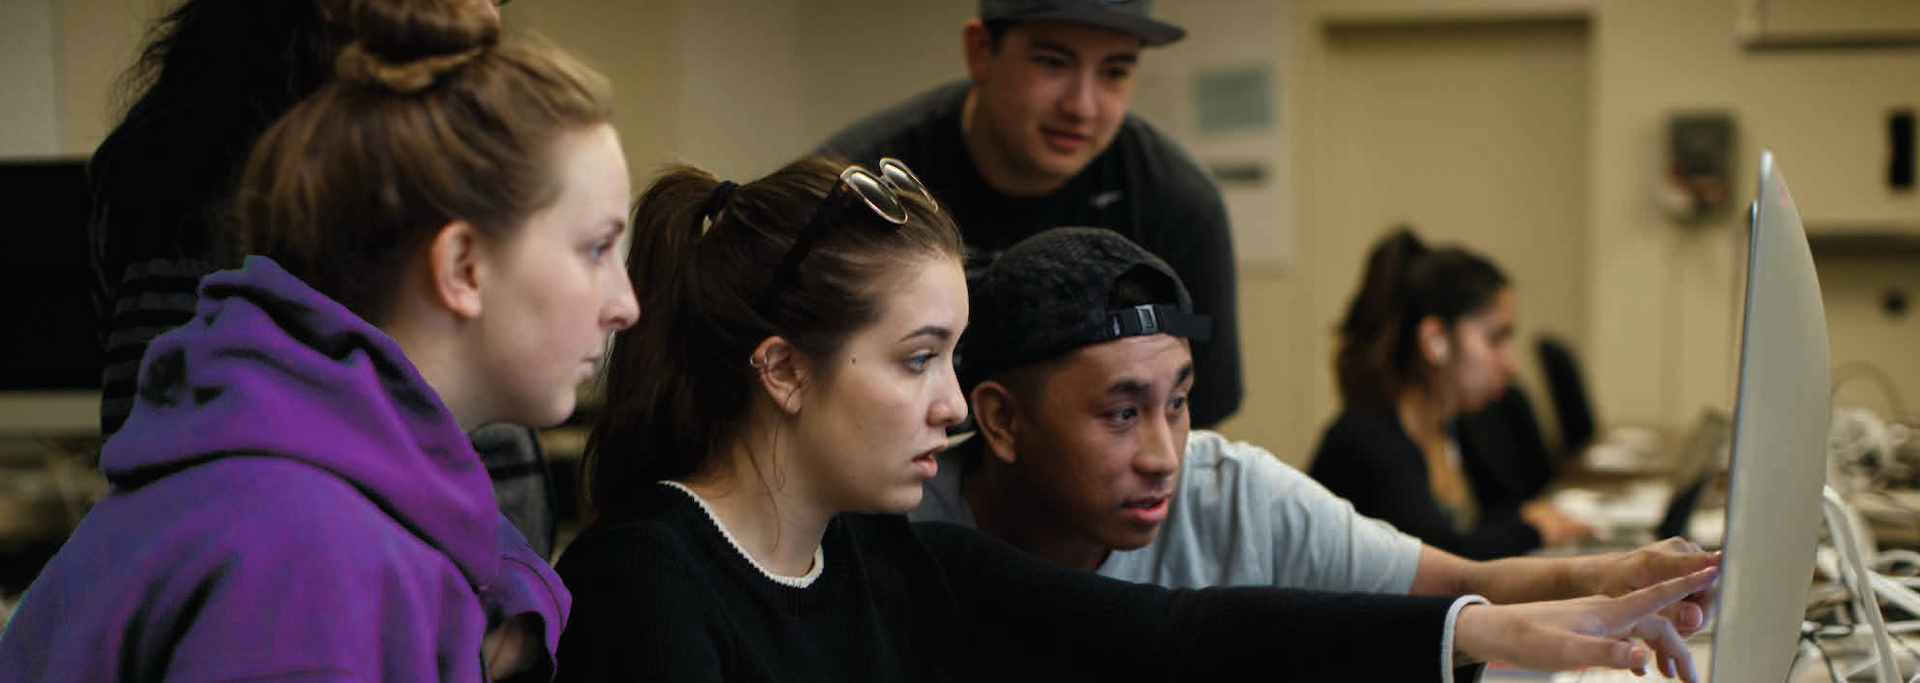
x: 50, y: 356
x: 1778, y: 464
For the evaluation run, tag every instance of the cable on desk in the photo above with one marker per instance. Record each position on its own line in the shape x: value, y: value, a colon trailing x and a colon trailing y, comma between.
x: 1813, y: 638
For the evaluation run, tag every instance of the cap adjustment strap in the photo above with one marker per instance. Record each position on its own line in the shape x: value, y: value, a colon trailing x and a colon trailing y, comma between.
x: 1156, y: 319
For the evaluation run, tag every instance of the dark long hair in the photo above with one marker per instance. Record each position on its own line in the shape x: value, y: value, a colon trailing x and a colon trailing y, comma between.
x: 1404, y: 283
x: 678, y: 384
x: 211, y: 76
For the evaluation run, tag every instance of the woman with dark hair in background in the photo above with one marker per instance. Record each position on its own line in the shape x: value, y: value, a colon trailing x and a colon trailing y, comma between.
x: 783, y: 406
x: 1427, y: 339
x: 293, y: 494
x: 211, y: 77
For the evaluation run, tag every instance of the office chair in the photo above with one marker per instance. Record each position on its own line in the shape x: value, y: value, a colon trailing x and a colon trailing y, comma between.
x: 1568, y: 391
x: 522, y: 486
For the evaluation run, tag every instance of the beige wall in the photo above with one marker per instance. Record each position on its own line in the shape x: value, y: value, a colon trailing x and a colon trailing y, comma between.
x: 96, y: 40
x: 738, y: 98
x: 861, y: 55
x: 630, y: 43
x: 29, y: 115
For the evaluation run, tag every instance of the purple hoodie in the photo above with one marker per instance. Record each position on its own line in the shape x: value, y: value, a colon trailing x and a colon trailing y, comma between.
x: 290, y: 501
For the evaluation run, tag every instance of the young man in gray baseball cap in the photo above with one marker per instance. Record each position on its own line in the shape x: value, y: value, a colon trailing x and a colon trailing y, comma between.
x: 1039, y: 135
x: 1077, y: 370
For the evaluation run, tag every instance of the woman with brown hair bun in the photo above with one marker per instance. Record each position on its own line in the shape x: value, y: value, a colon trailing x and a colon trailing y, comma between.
x: 294, y: 495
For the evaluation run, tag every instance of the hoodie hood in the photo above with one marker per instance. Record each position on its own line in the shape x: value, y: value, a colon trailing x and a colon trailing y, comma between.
x: 270, y: 367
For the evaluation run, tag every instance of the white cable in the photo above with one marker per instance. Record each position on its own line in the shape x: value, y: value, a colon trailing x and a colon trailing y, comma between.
x: 1840, y: 631
x: 1897, y: 556
x: 1843, y: 529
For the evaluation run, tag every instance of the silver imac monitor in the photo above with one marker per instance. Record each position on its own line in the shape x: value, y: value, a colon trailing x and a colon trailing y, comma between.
x: 1779, y: 447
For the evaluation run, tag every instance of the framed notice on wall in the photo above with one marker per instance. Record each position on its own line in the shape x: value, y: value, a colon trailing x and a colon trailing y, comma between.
x: 1227, y: 117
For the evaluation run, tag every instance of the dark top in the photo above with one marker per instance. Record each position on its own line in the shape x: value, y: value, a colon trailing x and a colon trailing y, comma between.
x: 662, y: 595
x: 160, y: 187
x: 1142, y: 186
x: 1503, y: 452
x: 1367, y: 458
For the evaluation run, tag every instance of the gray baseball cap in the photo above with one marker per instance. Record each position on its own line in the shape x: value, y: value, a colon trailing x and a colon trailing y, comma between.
x: 1125, y: 16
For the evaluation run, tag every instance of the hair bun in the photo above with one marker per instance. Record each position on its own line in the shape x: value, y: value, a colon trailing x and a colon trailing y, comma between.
x: 356, y: 63
x: 406, y: 45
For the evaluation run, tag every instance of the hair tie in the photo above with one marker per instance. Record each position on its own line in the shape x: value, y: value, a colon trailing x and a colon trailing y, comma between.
x: 716, y: 201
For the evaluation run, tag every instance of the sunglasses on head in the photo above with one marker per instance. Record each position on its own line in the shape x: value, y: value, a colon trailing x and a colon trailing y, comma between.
x: 880, y: 192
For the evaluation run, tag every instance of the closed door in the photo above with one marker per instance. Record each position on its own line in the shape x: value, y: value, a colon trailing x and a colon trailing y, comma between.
x: 1474, y: 133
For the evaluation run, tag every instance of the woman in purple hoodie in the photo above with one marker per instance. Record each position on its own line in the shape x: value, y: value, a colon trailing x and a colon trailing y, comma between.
x: 294, y: 496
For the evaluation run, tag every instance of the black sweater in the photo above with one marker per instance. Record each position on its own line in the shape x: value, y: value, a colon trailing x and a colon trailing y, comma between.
x: 660, y: 595
x: 1368, y: 459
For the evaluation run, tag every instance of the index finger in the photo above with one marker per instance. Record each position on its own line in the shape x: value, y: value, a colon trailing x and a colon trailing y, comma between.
x: 1629, y: 608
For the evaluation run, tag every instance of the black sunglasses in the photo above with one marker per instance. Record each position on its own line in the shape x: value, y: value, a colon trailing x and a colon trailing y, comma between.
x: 880, y: 192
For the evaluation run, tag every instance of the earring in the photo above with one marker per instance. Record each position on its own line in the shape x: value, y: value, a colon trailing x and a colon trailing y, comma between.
x: 1438, y: 347
x: 757, y: 363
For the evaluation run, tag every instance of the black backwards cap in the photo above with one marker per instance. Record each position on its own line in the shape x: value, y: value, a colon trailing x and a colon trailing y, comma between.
x: 1125, y: 16
x: 1051, y: 293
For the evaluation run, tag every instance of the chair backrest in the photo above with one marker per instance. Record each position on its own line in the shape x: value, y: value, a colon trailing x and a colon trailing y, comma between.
x: 522, y: 486
x: 1568, y: 391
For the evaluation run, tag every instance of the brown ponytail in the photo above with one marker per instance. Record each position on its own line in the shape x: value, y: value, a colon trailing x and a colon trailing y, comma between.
x: 1404, y: 283
x: 678, y: 385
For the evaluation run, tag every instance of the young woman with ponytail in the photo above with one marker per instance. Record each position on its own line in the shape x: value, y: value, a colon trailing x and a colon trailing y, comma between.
x: 1427, y: 339
x: 782, y: 406
x: 293, y: 495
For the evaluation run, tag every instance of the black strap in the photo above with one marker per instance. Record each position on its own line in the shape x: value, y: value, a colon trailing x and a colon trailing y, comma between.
x: 1157, y: 319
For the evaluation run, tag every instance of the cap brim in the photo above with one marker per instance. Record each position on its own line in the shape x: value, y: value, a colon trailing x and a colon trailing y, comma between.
x: 1152, y: 33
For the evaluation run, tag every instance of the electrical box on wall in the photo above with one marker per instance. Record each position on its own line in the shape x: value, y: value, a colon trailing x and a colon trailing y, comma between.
x: 1698, y: 159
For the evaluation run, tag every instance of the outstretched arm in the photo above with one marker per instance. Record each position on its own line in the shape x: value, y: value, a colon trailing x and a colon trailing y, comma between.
x: 1029, y: 619
x: 1527, y: 579
x: 1042, y: 618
